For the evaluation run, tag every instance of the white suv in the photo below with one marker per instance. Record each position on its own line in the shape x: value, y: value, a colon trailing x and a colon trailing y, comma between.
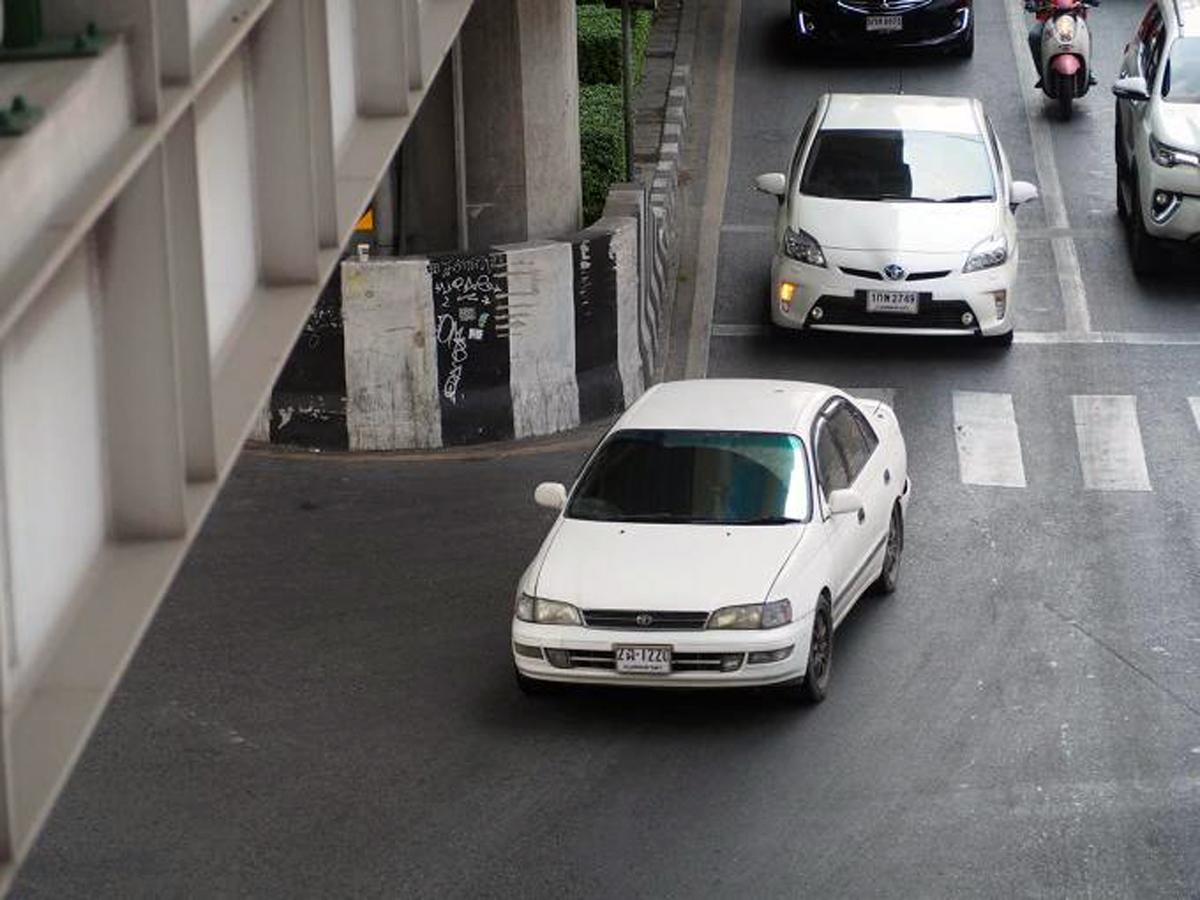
x: 1158, y: 131
x: 896, y: 217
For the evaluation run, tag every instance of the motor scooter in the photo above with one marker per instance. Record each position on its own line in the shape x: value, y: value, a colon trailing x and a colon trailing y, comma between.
x: 1066, y: 50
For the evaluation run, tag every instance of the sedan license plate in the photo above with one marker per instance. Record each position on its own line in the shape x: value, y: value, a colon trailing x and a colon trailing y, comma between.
x: 884, y: 23
x: 892, y: 302
x: 643, y: 660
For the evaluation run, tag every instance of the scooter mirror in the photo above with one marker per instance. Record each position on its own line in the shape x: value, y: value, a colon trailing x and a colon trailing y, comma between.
x: 1131, y: 87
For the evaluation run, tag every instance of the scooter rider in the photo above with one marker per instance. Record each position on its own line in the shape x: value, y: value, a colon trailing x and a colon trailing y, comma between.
x: 1043, y: 11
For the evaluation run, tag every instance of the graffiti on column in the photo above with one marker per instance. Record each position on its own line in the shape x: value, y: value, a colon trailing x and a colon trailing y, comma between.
x: 600, y: 391
x: 470, y: 314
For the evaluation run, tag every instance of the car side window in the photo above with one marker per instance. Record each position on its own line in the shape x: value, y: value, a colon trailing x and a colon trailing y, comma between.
x: 870, y: 438
x: 1001, y: 162
x: 831, y: 465
x: 1156, y: 52
x: 849, y: 437
x: 805, y: 134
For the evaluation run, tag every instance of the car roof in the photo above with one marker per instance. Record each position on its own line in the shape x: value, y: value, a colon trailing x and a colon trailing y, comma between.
x: 727, y: 404
x: 914, y: 112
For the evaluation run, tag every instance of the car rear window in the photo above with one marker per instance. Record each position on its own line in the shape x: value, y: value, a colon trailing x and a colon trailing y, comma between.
x: 700, y: 477
x: 1181, y: 77
x: 868, y: 164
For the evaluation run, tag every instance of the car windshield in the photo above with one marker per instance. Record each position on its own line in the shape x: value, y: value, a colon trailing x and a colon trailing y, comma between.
x: 1181, y: 77
x: 860, y: 164
x: 701, y: 477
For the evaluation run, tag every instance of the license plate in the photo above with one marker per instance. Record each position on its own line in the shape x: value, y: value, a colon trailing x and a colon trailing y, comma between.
x: 884, y: 23
x: 892, y: 302
x: 643, y: 660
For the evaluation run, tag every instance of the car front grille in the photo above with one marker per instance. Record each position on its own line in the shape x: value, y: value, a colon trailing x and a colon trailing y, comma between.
x: 645, y: 619
x: 680, y: 662
x: 877, y: 7
x: 944, y: 314
x: 878, y: 276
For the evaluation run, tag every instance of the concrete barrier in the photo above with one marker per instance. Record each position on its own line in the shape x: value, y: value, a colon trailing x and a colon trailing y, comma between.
x: 524, y: 340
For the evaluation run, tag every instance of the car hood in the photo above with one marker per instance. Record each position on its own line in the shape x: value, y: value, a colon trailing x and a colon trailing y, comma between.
x: 904, y: 227
x: 1177, y: 125
x: 623, y: 565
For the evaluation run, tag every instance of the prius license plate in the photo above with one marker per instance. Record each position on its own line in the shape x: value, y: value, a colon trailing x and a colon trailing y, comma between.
x: 884, y: 23
x: 892, y: 302
x: 643, y: 660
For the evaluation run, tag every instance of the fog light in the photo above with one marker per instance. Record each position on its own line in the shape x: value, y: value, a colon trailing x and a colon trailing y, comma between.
x: 731, y: 661
x: 769, y: 656
x: 528, y: 651
x: 560, y: 659
x: 787, y: 293
x: 1163, y: 205
x: 817, y: 313
x: 968, y: 318
x: 1001, y: 300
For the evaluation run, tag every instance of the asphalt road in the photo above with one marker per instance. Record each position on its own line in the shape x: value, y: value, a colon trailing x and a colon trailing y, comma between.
x: 324, y: 706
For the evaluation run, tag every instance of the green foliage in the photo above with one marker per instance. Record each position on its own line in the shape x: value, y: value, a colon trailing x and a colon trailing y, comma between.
x: 599, y: 43
x: 601, y: 144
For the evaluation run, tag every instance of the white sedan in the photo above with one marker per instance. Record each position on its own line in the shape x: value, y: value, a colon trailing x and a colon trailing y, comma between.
x: 718, y: 534
x: 897, y: 217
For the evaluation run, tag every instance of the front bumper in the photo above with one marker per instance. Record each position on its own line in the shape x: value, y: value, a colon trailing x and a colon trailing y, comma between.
x: 931, y: 26
x: 591, y: 649
x: 1183, y: 223
x: 943, y: 303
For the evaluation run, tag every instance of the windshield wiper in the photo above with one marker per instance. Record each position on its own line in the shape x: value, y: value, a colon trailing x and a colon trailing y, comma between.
x: 966, y: 198
x: 770, y: 520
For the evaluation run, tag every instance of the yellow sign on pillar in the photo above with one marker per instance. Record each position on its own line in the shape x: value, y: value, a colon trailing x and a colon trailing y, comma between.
x: 366, y: 222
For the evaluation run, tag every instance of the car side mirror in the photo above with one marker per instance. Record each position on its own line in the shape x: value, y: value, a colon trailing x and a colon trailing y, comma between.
x: 551, y: 495
x: 845, y: 501
x: 1131, y: 87
x: 1021, y: 192
x: 773, y: 183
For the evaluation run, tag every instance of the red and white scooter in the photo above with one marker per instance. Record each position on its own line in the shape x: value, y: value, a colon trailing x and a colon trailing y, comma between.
x: 1063, y: 63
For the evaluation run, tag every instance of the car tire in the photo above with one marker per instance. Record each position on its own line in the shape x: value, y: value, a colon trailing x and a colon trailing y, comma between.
x: 1122, y: 208
x: 1143, y: 249
x: 815, y: 683
x: 889, y: 578
x: 965, y: 48
x: 531, y: 687
x: 1122, y: 168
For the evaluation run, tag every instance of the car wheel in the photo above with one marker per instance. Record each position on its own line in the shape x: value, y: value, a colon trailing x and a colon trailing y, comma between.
x: 531, y: 687
x: 889, y: 578
x: 1065, y: 95
x: 1119, y: 156
x: 1122, y: 209
x: 1143, y: 250
x: 815, y: 683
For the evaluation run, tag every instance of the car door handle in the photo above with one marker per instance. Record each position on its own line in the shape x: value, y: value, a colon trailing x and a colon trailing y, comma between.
x: 887, y: 476
x: 862, y: 514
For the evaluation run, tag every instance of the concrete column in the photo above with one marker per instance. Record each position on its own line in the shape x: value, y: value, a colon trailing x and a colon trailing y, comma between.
x: 521, y: 118
x: 428, y: 172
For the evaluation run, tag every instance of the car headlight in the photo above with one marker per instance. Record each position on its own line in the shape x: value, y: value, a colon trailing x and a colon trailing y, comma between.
x: 545, y: 612
x: 987, y: 254
x: 752, y: 615
x: 1169, y: 157
x: 802, y: 247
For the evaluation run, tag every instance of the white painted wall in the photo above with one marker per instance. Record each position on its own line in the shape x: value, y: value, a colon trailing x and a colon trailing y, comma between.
x: 228, y: 220
x: 88, y: 109
x: 207, y: 19
x: 53, y: 452
x: 343, y: 97
x: 541, y: 314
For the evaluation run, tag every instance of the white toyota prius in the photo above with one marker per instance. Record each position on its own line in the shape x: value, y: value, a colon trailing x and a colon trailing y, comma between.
x: 717, y: 535
x: 896, y: 216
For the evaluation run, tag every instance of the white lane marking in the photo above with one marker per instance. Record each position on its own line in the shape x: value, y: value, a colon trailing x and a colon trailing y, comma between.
x: 989, y: 447
x: 1066, y: 260
x: 1194, y: 403
x: 1130, y: 338
x: 720, y: 150
x: 1110, y: 443
x: 733, y: 228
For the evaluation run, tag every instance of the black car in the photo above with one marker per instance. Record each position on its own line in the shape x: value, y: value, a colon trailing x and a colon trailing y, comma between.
x: 946, y: 25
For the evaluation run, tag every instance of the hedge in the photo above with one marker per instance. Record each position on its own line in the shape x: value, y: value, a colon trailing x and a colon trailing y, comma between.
x: 601, y: 144
x: 599, y: 44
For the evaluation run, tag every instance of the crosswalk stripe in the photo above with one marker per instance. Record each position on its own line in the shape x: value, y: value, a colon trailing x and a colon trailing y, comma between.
x: 1110, y: 443
x: 1194, y: 403
x: 989, y: 447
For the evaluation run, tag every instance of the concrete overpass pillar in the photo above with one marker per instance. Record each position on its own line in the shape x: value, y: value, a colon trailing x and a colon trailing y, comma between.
x: 521, y: 121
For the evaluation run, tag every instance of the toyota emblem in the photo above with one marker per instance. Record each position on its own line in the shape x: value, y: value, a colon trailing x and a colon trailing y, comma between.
x: 894, y: 272
x: 644, y: 620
